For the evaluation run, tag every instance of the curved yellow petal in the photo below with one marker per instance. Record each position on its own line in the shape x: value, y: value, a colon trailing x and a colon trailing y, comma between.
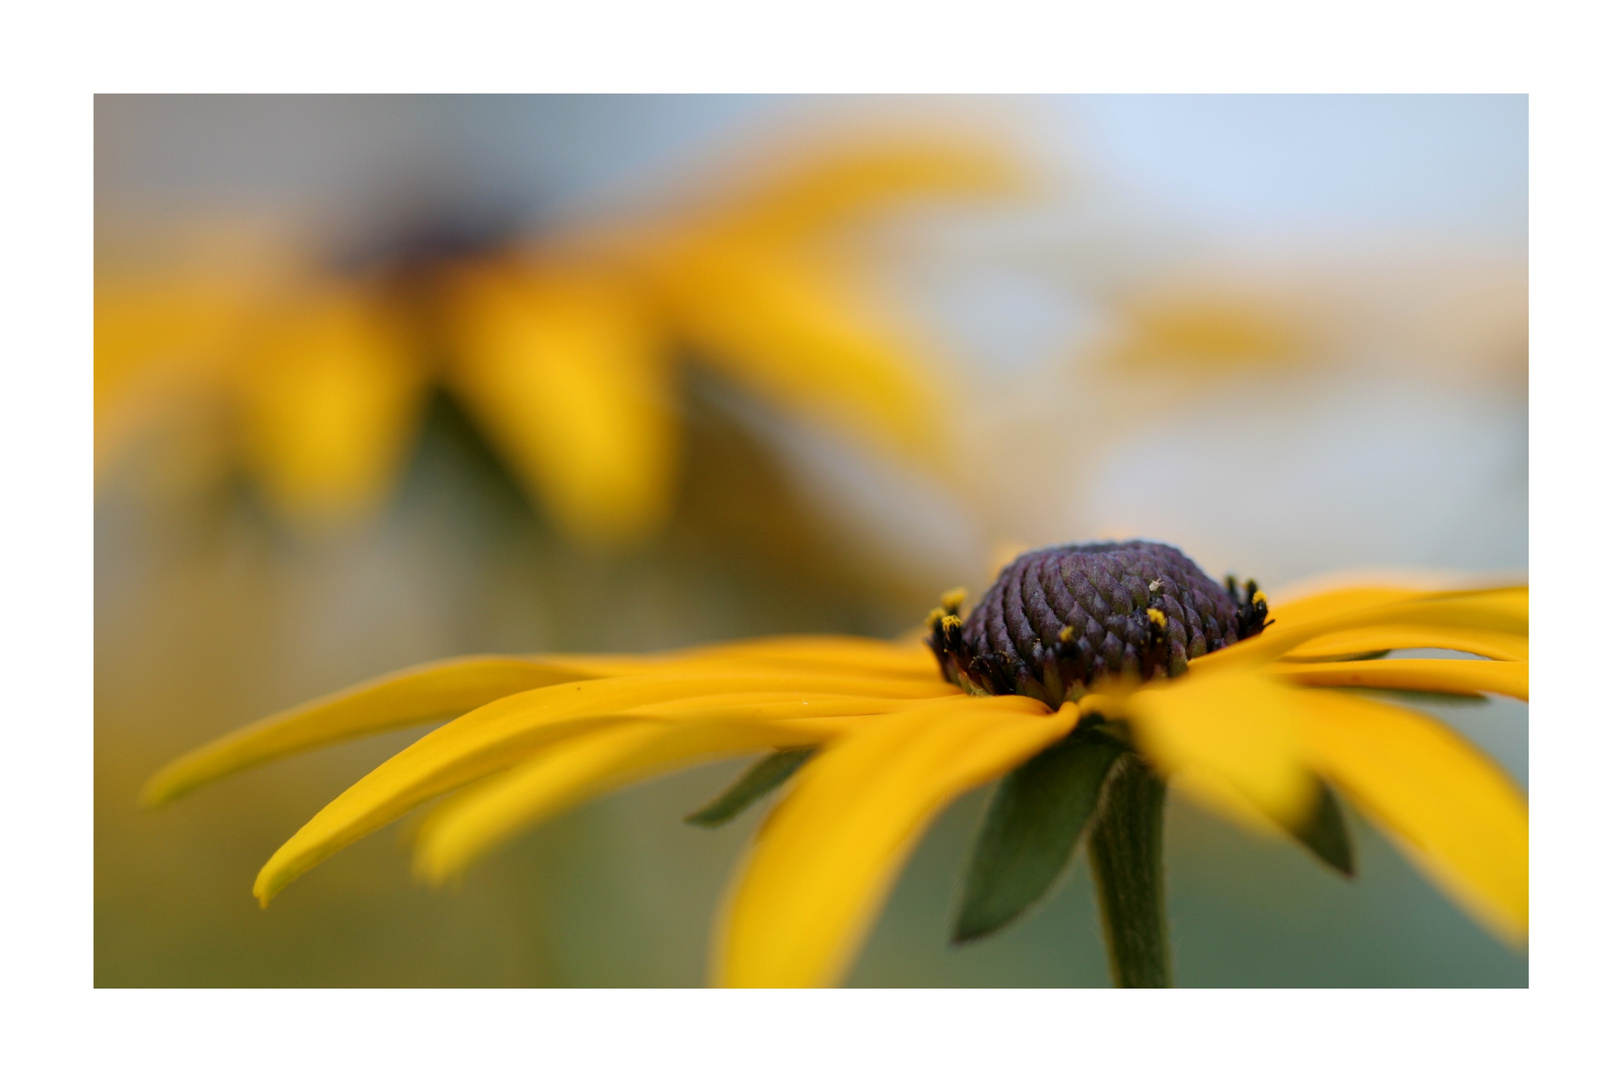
x: 505, y: 732
x: 447, y: 688
x: 329, y: 398
x: 1487, y: 643
x: 573, y: 383
x: 1497, y: 611
x: 1510, y: 677
x: 414, y: 696
x: 493, y: 811
x: 827, y: 854
x: 1461, y: 818
x: 1238, y: 726
x: 653, y: 740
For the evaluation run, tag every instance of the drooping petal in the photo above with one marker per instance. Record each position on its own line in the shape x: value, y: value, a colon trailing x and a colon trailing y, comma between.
x: 1460, y: 817
x: 826, y: 856
x: 507, y: 731
x: 1239, y: 727
x: 413, y: 696
x: 330, y: 397
x: 573, y: 383
x: 1510, y: 677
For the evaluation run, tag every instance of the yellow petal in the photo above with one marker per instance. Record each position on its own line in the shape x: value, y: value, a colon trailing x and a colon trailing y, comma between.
x: 797, y: 335
x: 330, y: 398
x: 1199, y: 330
x: 1510, y: 677
x: 812, y: 654
x: 1239, y: 726
x: 909, y: 658
x: 1496, y: 646
x: 573, y: 384
x: 507, y: 731
x: 1496, y: 611
x: 1340, y: 601
x: 825, y: 858
x: 583, y: 767
x: 1459, y: 816
x: 828, y: 185
x: 157, y: 341
x: 450, y: 687
x: 413, y: 696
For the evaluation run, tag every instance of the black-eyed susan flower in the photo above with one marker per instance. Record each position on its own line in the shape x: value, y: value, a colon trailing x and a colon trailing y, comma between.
x: 1084, y: 679
x: 565, y: 348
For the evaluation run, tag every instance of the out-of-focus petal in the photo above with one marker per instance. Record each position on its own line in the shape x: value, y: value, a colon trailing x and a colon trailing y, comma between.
x: 1239, y: 727
x: 801, y: 337
x: 826, y: 856
x: 1510, y: 677
x: 573, y: 385
x: 502, y: 733
x: 1461, y: 818
x: 826, y: 186
x: 414, y: 696
x: 158, y: 340
x: 330, y: 396
x: 1204, y: 330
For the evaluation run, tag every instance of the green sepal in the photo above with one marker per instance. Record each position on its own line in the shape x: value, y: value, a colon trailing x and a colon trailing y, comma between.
x: 1031, y: 831
x: 1326, y: 835
x: 766, y: 775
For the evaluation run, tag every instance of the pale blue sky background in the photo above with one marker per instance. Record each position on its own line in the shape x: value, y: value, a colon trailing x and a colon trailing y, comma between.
x: 1454, y: 164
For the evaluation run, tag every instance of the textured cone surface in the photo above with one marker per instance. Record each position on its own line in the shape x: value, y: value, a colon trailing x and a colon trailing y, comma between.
x: 1058, y: 619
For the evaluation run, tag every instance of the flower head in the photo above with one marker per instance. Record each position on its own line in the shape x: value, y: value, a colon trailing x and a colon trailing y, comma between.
x: 566, y: 349
x: 1242, y: 703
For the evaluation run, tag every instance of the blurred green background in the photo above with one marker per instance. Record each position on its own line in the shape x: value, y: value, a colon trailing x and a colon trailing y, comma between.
x: 1286, y: 334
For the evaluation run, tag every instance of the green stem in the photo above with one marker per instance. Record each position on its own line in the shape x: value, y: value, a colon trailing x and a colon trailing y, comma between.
x: 1127, y: 868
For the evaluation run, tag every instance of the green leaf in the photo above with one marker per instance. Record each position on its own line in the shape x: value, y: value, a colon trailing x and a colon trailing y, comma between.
x: 1031, y: 830
x: 766, y: 775
x: 1324, y: 833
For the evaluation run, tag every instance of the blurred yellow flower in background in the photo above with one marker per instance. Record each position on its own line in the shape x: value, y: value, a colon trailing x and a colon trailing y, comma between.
x: 566, y: 349
x: 1253, y: 724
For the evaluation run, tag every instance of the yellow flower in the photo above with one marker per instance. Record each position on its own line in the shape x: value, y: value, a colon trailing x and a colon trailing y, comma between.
x: 565, y: 350
x: 1251, y: 707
